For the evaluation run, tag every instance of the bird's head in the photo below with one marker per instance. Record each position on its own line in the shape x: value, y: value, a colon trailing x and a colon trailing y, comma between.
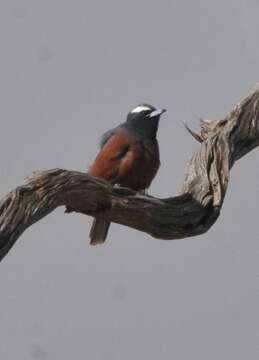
x: 143, y: 112
x: 145, y: 118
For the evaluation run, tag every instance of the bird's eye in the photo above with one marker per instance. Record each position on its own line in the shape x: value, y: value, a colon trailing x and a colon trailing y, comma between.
x: 147, y: 112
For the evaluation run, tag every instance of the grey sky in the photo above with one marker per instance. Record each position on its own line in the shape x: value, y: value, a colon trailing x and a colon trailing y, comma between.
x: 69, y: 71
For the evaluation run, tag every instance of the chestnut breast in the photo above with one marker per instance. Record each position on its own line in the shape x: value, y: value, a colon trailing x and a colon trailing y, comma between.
x: 127, y: 161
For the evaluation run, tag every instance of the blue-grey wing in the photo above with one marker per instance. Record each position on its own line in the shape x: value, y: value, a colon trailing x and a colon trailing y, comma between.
x: 107, y: 135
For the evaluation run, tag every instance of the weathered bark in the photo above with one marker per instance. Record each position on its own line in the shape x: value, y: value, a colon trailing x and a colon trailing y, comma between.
x: 191, y: 213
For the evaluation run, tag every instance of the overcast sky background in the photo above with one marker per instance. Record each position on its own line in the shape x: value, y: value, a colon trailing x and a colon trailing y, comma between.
x: 70, y: 70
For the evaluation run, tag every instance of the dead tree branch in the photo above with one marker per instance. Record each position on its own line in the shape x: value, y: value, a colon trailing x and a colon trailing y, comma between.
x: 191, y: 213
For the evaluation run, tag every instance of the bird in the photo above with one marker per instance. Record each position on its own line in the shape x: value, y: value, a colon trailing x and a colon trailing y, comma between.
x: 128, y: 157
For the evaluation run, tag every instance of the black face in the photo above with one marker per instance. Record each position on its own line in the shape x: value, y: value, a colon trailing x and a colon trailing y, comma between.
x: 144, y: 120
x: 140, y: 112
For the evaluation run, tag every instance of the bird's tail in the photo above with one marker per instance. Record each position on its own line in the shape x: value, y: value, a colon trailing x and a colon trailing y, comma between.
x: 99, y: 231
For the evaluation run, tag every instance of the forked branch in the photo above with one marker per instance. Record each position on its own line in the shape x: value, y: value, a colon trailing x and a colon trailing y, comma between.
x: 191, y: 213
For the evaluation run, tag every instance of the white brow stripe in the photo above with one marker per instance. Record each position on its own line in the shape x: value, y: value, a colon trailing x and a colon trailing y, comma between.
x: 140, y: 108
